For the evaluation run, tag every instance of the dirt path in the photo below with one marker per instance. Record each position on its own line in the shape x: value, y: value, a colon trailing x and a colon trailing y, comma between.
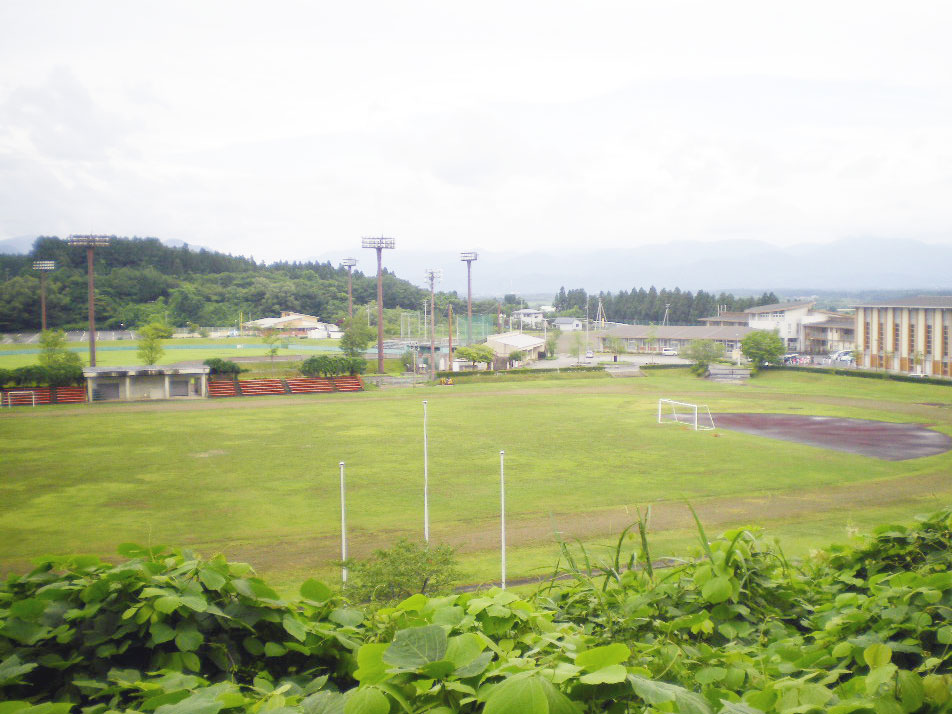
x: 716, y: 514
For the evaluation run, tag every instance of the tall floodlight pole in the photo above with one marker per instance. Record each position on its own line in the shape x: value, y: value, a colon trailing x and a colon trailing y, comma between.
x: 349, y: 263
x: 468, y: 257
x: 379, y: 244
x: 449, y: 334
x: 502, y: 512
x: 43, y: 267
x: 426, y: 482
x: 343, y: 527
x: 432, y: 275
x: 90, y: 243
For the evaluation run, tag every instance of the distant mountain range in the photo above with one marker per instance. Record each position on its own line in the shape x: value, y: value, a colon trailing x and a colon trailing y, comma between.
x: 856, y: 265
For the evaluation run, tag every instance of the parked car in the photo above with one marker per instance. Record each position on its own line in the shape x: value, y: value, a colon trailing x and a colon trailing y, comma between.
x: 842, y: 356
x: 589, y: 355
x: 669, y: 352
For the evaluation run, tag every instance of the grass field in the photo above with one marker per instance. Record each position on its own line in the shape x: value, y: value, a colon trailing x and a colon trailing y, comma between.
x: 257, y: 478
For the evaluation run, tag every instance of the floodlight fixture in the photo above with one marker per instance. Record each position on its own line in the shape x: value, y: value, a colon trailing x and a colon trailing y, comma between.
x: 43, y: 266
x: 379, y: 244
x: 349, y: 262
x: 433, y: 274
x: 90, y: 242
x: 469, y: 255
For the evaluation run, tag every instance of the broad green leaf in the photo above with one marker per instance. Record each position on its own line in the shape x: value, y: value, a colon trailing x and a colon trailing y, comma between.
x: 294, y: 628
x: 191, y: 661
x: 936, y: 688
x: 877, y: 655
x: 450, y: 616
x: 416, y: 646
x: 612, y: 674
x: 371, y: 668
x: 598, y: 657
x: 316, y: 591
x: 167, y: 604
x: 558, y: 702
x: 161, y: 632
x: 717, y: 589
x: 709, y: 675
x: 414, y: 603
x: 323, y: 703
x: 438, y: 670
x: 842, y: 649
x: 345, y: 617
x: 477, y: 666
x: 188, y: 638
x: 463, y: 649
x: 911, y: 692
x: 274, y: 649
x: 655, y: 692
x: 366, y: 700
x: 737, y: 708
x: 518, y: 696
x: 28, y: 608
x: 211, y: 579
x: 944, y: 635
x: 12, y: 668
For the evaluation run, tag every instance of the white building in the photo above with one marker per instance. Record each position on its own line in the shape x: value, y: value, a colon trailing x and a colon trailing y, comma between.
x: 567, y: 324
x: 505, y: 344
x: 528, y: 318
x: 128, y: 384
x: 325, y: 330
x: 787, y: 319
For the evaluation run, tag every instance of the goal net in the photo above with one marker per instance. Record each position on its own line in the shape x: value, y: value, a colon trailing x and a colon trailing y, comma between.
x: 696, y: 416
x: 19, y: 398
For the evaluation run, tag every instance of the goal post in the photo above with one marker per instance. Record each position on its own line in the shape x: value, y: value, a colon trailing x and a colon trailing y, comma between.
x: 21, y: 398
x: 696, y: 416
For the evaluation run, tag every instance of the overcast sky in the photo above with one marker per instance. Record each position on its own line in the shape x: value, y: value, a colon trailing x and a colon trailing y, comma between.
x: 291, y: 129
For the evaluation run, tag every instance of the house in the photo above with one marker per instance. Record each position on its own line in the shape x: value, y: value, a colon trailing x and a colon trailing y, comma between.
x: 655, y: 338
x: 528, y: 318
x: 128, y: 384
x: 906, y: 334
x: 787, y: 319
x: 290, y: 324
x: 567, y: 324
x: 505, y: 344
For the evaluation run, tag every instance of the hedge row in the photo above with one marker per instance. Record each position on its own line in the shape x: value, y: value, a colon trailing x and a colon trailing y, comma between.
x: 491, y: 374
x: 34, y: 375
x: 867, y: 374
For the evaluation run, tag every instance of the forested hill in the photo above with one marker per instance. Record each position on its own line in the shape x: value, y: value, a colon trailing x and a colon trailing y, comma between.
x: 642, y: 306
x: 139, y: 280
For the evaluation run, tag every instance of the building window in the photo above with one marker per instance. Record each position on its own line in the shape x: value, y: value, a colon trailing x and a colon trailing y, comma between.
x: 928, y: 339
x: 866, y: 338
x: 945, y: 340
x: 912, y: 338
x: 897, y: 339
x: 880, y: 337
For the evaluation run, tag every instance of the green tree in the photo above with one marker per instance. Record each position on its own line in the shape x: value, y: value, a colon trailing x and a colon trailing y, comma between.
x: 762, y: 347
x: 408, y: 360
x: 63, y: 367
x: 273, y: 341
x: 578, y: 346
x: 405, y: 569
x: 357, y: 338
x: 477, y: 353
x: 552, y: 343
x: 516, y: 356
x: 150, y: 343
x: 702, y: 353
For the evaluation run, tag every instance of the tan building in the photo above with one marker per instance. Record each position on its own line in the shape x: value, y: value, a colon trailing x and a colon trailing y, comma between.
x: 130, y: 384
x: 292, y: 324
x: 906, y: 335
x: 655, y: 338
x: 505, y: 344
x: 726, y: 319
x: 835, y: 333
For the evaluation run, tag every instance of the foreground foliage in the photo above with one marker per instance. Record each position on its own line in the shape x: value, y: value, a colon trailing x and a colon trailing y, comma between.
x: 738, y: 631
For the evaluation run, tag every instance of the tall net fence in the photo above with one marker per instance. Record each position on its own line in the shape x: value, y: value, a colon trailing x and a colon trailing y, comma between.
x: 415, y: 326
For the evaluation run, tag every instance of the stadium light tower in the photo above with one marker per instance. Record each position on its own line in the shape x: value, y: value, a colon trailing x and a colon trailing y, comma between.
x: 379, y: 244
x: 90, y: 243
x: 349, y: 263
x: 468, y: 257
x: 43, y: 266
x: 433, y: 275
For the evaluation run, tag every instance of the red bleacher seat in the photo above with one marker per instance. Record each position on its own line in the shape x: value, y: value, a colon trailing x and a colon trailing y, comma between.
x: 17, y: 397
x: 348, y: 384
x: 70, y: 395
x: 309, y: 385
x: 256, y: 387
x: 222, y: 388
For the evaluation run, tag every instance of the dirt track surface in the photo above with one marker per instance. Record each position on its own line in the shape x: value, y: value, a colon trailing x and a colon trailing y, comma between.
x: 889, y: 441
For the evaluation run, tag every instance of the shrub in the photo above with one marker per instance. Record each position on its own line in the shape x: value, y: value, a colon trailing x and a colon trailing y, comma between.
x: 405, y: 569
x: 223, y: 366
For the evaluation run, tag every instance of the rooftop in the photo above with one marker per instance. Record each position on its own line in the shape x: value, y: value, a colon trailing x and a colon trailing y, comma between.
x: 142, y: 371
x: 925, y: 301
x: 680, y: 332
x: 780, y: 306
x: 517, y: 340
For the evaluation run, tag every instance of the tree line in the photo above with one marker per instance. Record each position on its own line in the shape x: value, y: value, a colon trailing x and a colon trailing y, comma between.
x: 648, y: 306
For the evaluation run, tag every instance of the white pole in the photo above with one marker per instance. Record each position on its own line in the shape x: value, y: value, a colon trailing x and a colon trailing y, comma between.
x: 426, y: 482
x: 343, y: 526
x: 502, y: 504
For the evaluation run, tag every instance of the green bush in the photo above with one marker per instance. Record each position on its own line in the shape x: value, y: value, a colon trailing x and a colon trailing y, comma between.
x: 223, y: 366
x: 403, y: 570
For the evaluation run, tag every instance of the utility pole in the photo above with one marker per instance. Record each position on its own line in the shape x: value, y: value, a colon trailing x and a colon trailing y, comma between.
x: 498, y: 317
x: 90, y: 243
x: 349, y: 263
x: 468, y: 257
x: 43, y: 267
x: 379, y: 244
x: 432, y: 275
x: 449, y: 333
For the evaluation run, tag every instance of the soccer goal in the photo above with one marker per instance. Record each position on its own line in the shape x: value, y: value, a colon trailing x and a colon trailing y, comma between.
x: 696, y: 416
x: 21, y: 398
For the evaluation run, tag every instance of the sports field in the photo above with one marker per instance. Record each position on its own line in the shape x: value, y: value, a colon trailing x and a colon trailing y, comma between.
x: 257, y: 478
